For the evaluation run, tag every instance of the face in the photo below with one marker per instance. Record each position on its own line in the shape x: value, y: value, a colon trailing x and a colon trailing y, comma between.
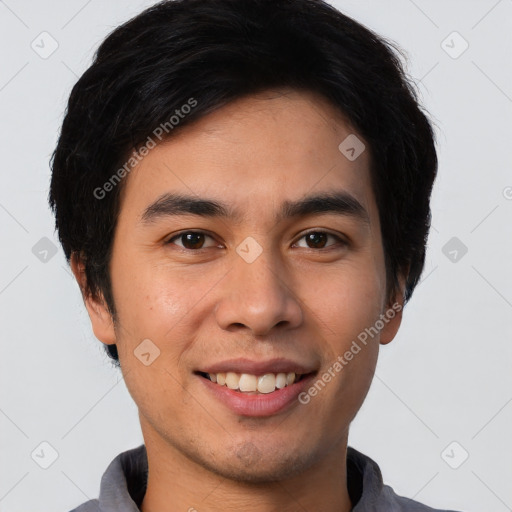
x: 265, y: 282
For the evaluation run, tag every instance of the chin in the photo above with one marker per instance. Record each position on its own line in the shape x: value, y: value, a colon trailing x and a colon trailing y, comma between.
x: 249, y: 464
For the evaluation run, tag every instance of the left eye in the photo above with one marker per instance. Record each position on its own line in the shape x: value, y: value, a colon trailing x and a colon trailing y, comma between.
x: 318, y: 239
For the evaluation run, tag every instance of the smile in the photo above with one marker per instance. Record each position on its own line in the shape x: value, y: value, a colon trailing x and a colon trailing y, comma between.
x: 253, y: 384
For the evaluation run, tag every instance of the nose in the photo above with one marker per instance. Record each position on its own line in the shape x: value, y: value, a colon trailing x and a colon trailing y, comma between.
x: 257, y: 297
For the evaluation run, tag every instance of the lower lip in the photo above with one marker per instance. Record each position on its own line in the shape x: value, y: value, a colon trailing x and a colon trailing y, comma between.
x: 258, y: 405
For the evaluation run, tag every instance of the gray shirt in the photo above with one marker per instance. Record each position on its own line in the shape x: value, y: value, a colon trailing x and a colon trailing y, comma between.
x: 123, y: 486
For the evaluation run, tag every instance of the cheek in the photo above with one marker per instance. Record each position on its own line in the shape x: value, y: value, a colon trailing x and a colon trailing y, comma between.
x: 150, y: 308
x: 151, y: 300
x: 166, y: 306
x: 353, y: 310
x: 347, y: 299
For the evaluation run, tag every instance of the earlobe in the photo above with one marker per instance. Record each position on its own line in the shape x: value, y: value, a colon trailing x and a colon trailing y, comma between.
x: 392, y: 315
x: 101, y: 319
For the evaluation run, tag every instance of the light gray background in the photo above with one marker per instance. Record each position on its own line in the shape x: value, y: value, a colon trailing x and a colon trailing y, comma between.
x: 446, y: 377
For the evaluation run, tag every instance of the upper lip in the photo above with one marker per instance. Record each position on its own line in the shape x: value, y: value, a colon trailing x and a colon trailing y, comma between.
x: 241, y: 365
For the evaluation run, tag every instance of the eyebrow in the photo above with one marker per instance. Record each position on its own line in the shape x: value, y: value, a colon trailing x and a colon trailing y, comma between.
x: 339, y: 203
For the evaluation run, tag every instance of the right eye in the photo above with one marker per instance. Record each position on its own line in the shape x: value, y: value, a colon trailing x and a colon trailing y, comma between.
x: 191, y: 240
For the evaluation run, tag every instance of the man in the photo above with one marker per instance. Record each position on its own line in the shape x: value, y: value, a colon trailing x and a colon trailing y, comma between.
x: 242, y: 190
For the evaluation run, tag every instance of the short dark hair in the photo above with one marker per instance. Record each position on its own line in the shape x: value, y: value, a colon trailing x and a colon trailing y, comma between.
x: 216, y: 51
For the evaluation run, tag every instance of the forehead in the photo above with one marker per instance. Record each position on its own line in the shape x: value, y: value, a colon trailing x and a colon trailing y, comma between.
x: 259, y: 150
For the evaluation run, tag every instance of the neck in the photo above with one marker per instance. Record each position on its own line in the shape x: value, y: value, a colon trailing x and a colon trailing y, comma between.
x: 175, y: 482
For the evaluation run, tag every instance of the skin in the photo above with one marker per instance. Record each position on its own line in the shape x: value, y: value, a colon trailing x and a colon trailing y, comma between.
x: 296, y: 300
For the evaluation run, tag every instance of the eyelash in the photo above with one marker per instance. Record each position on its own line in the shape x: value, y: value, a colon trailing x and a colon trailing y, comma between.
x: 340, y: 241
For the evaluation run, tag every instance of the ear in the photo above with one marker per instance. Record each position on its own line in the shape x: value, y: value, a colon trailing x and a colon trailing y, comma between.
x: 393, y: 314
x: 101, y: 319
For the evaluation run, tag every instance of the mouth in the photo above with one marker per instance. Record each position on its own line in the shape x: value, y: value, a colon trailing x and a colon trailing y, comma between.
x: 257, y: 389
x: 252, y: 384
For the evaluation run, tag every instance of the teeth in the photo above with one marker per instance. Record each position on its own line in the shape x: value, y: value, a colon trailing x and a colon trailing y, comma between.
x: 267, y: 383
x: 248, y: 383
x: 280, y: 380
x: 232, y: 380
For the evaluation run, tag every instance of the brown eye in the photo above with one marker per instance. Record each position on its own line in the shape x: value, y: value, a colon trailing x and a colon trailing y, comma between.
x: 190, y: 240
x: 318, y: 239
